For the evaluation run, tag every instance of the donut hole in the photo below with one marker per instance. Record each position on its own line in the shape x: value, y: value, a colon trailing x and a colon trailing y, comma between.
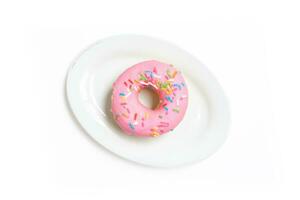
x: 149, y: 98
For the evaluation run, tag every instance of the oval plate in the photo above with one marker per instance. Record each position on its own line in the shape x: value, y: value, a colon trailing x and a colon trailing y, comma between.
x: 89, y: 85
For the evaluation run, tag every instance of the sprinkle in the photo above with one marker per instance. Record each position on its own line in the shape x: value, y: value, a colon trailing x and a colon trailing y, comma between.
x: 122, y: 94
x: 163, y: 124
x: 164, y: 85
x: 125, y: 115
x: 123, y: 104
x: 128, y: 110
x: 183, y: 84
x: 160, y: 116
x: 166, y: 108
x: 130, y: 81
x: 155, y: 70
x: 169, y: 99
x: 149, y: 72
x: 142, y: 77
x: 146, y: 115
x: 169, y: 73
x: 176, y: 110
x: 166, y: 77
x: 155, y: 134
x: 177, y: 86
x: 131, y: 126
x: 174, y: 74
x: 125, y: 83
x: 146, y: 76
x: 142, y: 124
x: 135, y: 116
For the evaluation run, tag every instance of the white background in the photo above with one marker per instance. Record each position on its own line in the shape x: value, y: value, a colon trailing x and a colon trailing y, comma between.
x: 252, y: 47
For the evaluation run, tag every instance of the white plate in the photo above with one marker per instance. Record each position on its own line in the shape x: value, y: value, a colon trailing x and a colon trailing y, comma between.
x: 89, y: 85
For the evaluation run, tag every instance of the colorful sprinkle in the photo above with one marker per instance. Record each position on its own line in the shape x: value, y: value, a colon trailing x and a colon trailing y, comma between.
x: 169, y: 73
x: 164, y: 85
x: 169, y: 99
x: 122, y: 94
x: 155, y: 134
x: 176, y: 110
x: 149, y: 73
x: 146, y: 115
x: 174, y: 74
x: 135, y: 116
x: 177, y: 86
x: 163, y: 124
x: 125, y: 115
x: 142, y: 77
x: 131, y: 126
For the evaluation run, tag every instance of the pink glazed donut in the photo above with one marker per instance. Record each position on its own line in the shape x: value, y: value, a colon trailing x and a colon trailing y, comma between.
x: 136, y: 119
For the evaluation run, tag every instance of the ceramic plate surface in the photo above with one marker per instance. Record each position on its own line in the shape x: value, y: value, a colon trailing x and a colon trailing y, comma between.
x: 89, y: 87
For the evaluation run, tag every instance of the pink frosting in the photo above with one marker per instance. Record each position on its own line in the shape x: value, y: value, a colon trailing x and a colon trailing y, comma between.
x: 133, y: 117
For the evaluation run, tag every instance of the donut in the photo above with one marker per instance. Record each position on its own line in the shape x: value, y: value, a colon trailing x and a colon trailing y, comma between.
x: 136, y: 119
